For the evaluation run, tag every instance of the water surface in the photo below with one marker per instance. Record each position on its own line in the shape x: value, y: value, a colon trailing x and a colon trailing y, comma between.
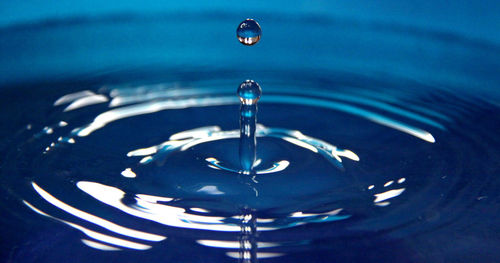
x: 377, y: 142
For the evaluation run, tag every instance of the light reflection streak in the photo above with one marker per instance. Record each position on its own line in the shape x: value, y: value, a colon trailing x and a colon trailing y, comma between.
x: 265, y: 220
x: 124, y: 99
x: 178, y: 217
x: 195, y: 133
x: 94, y: 219
x: 86, y: 101
x: 211, y: 138
x: 331, y: 213
x: 163, y: 214
x: 260, y: 255
x: 128, y: 173
x: 388, y: 194
x: 151, y: 107
x: 163, y: 91
x: 301, y: 144
x: 184, y: 140
x: 153, y: 208
x: 382, y: 203
x: 146, y: 160
x: 95, y: 235
x: 72, y: 97
x: 377, y: 118
x: 199, y: 210
x: 277, y: 166
x: 146, y: 108
x: 99, y: 246
x: 153, y: 199
x: 143, y: 151
x: 210, y: 189
x: 372, y: 103
x: 233, y: 244
x: 388, y: 183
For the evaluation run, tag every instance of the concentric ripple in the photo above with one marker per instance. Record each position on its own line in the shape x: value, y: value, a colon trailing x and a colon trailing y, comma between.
x: 353, y: 164
x: 190, y: 181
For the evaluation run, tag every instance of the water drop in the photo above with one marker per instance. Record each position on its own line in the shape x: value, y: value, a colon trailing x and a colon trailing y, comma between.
x: 249, y: 92
x: 249, y: 32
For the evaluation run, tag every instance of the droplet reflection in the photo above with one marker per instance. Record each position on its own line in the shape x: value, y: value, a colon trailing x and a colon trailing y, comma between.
x: 249, y: 32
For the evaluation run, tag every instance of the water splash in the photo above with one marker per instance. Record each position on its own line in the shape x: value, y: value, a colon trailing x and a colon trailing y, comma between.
x: 187, y: 139
x: 249, y: 93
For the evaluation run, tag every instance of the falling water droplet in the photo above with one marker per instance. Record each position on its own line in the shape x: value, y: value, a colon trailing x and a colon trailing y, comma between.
x: 249, y: 32
x: 249, y: 92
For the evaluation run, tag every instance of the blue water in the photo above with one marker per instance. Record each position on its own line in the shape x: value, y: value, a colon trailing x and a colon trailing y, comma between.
x: 376, y: 142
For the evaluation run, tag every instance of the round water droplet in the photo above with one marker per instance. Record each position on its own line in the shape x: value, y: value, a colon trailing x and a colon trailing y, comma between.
x: 249, y: 32
x: 249, y: 92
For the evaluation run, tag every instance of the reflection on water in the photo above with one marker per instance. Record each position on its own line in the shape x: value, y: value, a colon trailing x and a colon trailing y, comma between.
x: 190, y: 178
x: 180, y: 211
x: 156, y: 209
x: 95, y: 235
x: 141, y: 165
x: 168, y: 104
x: 185, y: 140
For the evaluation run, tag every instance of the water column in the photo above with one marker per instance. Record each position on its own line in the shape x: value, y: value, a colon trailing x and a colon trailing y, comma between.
x: 249, y: 93
x: 248, y: 33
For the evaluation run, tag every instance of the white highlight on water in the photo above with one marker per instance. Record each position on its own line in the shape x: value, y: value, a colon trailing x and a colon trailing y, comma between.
x: 99, y: 246
x: 151, y: 107
x: 388, y: 194
x: 94, y: 219
x: 210, y: 189
x: 93, y: 234
x: 86, y: 101
x: 128, y: 173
